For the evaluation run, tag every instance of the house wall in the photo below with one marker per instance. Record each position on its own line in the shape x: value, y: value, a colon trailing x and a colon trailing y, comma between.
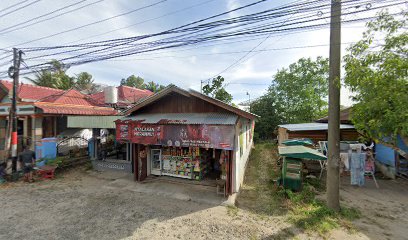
x: 282, y: 135
x: 177, y: 103
x: 243, y: 145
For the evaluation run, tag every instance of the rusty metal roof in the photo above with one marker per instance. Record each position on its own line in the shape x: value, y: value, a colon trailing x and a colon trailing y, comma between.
x: 312, y: 126
x: 185, y: 118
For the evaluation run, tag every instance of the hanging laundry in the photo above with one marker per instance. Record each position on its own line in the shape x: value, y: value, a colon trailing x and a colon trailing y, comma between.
x: 357, y: 168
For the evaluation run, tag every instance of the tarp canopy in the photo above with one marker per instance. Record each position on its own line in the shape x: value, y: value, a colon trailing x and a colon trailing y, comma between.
x: 301, y: 152
x: 302, y: 142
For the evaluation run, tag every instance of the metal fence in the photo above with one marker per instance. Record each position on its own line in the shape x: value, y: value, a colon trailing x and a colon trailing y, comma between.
x: 73, y: 147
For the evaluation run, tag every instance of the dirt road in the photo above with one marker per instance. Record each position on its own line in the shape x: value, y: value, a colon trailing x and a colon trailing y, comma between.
x: 82, y: 205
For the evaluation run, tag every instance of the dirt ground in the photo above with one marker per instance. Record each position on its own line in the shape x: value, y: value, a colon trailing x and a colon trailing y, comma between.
x: 84, y: 205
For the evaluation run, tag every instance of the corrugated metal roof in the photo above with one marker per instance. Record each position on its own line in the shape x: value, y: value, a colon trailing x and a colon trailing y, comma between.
x: 312, y: 126
x: 92, y: 121
x: 69, y: 109
x: 185, y: 118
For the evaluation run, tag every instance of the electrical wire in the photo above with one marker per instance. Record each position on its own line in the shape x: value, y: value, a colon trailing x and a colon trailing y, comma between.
x: 59, y: 15
x: 14, y: 5
x: 22, y: 7
x: 4, y: 31
x: 258, y: 24
x: 141, y: 22
x: 92, y: 23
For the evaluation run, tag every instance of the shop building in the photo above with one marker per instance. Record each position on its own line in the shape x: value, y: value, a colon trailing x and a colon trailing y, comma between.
x: 185, y: 134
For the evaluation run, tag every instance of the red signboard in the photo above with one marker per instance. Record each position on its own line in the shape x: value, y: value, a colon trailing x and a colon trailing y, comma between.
x: 122, y: 131
x: 178, y: 135
x: 205, y: 136
x: 146, y: 133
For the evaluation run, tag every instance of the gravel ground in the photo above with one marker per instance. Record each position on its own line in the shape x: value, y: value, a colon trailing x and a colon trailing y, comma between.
x: 80, y: 204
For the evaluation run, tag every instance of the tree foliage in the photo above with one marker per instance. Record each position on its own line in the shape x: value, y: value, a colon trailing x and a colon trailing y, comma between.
x: 302, y: 89
x: 133, y: 81
x: 154, y: 87
x: 297, y: 94
x: 84, y: 82
x: 376, y: 70
x: 54, y: 77
x: 217, y: 91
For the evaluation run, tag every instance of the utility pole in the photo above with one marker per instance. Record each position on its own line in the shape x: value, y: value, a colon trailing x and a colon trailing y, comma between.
x: 249, y: 101
x: 333, y: 177
x: 14, y: 73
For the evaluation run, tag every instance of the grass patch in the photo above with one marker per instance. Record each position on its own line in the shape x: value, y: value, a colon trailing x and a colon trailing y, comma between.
x: 261, y: 196
x: 312, y: 215
x: 232, y: 211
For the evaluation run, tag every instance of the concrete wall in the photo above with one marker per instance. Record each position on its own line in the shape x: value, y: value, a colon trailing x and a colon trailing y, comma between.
x: 243, y: 145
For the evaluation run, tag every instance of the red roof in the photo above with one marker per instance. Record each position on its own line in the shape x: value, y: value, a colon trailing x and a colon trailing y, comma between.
x: 69, y: 109
x: 28, y: 91
x: 125, y: 95
x: 69, y: 97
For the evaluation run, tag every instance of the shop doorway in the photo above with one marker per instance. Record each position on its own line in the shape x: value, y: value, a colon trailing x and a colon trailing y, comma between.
x: 156, y: 162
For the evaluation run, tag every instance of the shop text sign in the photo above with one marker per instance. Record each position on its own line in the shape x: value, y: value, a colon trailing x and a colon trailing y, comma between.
x: 179, y: 135
x: 146, y: 133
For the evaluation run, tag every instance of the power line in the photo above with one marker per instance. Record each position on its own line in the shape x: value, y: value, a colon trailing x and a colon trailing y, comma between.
x: 59, y: 15
x: 22, y: 7
x: 144, y: 21
x: 4, y: 31
x: 192, y: 38
x: 90, y: 24
x: 14, y: 5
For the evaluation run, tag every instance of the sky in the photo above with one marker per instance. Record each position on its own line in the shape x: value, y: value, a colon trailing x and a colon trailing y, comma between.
x: 185, y: 67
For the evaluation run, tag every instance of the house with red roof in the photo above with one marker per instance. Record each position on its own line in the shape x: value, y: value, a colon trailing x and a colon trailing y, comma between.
x: 47, y: 112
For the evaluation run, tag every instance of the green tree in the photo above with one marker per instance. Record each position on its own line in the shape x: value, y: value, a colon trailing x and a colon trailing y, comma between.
x: 217, y: 91
x: 154, y: 87
x: 84, y: 82
x: 301, y: 90
x: 376, y: 72
x: 271, y: 116
x: 133, y: 81
x: 55, y: 77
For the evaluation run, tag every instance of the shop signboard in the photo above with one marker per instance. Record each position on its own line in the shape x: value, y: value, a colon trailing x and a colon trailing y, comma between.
x: 178, y: 135
x: 146, y: 133
x: 204, y: 136
x: 122, y: 131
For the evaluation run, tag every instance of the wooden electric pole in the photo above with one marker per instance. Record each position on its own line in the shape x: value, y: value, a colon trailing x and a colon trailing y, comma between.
x: 333, y: 176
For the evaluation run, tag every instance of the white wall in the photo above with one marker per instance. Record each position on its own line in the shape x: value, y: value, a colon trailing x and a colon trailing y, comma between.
x: 241, y: 151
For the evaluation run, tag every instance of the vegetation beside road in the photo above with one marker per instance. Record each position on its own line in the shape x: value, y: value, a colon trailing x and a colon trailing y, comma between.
x: 262, y: 196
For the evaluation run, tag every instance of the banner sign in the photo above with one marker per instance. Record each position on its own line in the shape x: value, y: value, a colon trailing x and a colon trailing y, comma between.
x: 146, y: 133
x: 122, y: 131
x: 204, y: 136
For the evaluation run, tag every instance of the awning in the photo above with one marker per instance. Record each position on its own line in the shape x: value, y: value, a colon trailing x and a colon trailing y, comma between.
x: 92, y: 121
x: 301, y: 152
x: 185, y: 118
x: 296, y: 142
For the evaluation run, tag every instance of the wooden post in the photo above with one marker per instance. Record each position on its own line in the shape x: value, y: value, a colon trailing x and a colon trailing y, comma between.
x: 333, y: 176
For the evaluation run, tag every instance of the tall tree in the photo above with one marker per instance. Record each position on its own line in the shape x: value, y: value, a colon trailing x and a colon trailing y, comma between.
x: 54, y: 77
x: 301, y: 90
x: 271, y: 116
x: 154, y: 87
x: 297, y: 94
x: 376, y: 72
x: 84, y: 82
x: 133, y: 81
x: 217, y: 91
